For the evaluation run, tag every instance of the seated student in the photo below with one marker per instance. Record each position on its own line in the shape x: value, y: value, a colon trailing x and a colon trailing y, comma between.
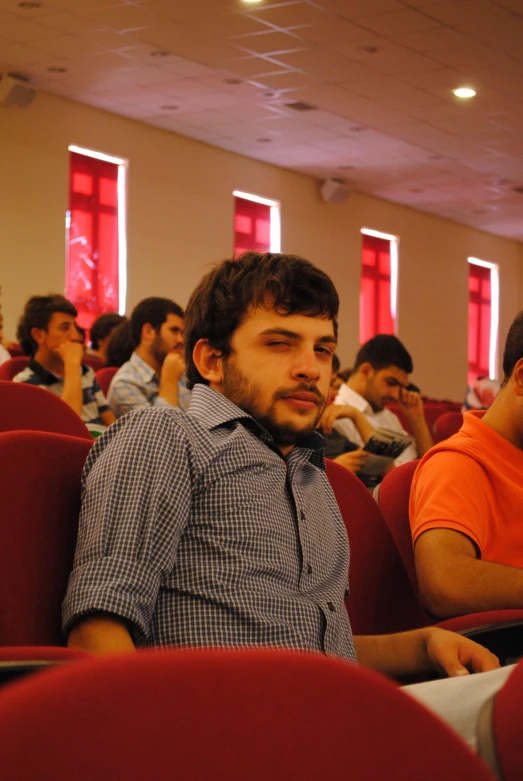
x: 218, y: 526
x: 121, y: 346
x: 466, y: 505
x: 154, y: 375
x: 47, y: 332
x: 101, y: 331
x: 380, y: 376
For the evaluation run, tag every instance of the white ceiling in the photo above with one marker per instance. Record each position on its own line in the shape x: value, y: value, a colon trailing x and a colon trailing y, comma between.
x: 378, y: 72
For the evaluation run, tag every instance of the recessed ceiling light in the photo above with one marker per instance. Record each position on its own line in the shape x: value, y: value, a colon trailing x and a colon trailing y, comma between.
x: 169, y: 107
x: 232, y: 81
x: 369, y: 49
x: 357, y: 129
x: 251, y: 2
x: 264, y: 140
x: 159, y: 53
x: 464, y: 92
x: 57, y: 69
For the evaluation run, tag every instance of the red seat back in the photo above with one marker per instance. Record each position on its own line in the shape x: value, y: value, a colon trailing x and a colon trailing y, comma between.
x: 105, y: 377
x: 447, y: 425
x: 500, y: 728
x: 93, y: 361
x: 225, y: 716
x: 40, y: 497
x: 28, y: 407
x: 381, y: 596
x: 12, y: 367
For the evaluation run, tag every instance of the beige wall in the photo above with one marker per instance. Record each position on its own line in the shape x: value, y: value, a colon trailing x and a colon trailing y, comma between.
x: 180, y: 219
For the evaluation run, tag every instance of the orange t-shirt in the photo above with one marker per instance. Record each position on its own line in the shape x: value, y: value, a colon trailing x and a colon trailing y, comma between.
x: 473, y: 483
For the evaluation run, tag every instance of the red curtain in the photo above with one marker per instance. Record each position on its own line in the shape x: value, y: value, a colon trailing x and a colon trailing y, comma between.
x: 92, y: 242
x: 479, y: 322
x: 252, y: 226
x: 375, y: 309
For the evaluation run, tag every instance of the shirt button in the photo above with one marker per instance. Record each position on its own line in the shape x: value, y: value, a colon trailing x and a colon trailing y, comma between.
x: 331, y: 607
x: 309, y: 569
x: 302, y: 515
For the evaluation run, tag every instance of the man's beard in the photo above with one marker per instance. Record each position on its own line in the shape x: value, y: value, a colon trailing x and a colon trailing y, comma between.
x: 237, y: 388
x: 159, y: 350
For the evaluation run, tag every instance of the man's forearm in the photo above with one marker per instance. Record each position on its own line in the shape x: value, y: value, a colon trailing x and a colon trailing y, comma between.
x: 457, y: 584
x: 421, y: 434
x: 72, y: 392
x: 398, y: 655
x: 101, y: 634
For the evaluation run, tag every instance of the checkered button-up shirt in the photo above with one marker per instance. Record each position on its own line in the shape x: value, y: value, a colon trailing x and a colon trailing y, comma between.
x: 136, y: 386
x: 198, y: 532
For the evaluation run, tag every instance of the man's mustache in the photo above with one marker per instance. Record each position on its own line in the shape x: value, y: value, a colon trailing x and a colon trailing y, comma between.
x: 302, y: 388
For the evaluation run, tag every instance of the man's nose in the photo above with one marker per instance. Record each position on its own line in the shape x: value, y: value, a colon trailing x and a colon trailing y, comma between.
x: 394, y: 392
x: 307, y: 366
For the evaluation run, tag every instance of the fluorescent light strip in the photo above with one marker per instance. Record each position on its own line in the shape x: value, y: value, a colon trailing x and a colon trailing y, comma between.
x: 378, y: 235
x: 122, y: 238
x: 494, y: 313
x: 255, y: 198
x: 275, y: 229
x: 98, y: 155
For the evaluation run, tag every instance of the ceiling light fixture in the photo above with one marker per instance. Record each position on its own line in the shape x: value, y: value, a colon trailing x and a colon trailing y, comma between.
x: 169, y: 107
x: 369, y: 49
x: 57, y: 69
x: 464, y: 92
x: 251, y: 2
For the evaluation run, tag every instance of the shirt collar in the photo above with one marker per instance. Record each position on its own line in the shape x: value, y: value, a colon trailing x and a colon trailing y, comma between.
x: 47, y: 377
x: 213, y: 410
x: 145, y: 372
x: 348, y: 396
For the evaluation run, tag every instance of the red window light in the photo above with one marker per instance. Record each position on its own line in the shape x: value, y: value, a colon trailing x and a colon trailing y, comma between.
x: 479, y: 322
x: 252, y: 226
x: 92, y: 282
x: 376, y: 315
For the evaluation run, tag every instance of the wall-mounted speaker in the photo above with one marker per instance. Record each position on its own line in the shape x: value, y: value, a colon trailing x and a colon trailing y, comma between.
x: 334, y: 191
x: 15, y: 92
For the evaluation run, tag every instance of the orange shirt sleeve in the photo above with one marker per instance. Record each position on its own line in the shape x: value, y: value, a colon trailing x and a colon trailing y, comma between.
x: 451, y: 491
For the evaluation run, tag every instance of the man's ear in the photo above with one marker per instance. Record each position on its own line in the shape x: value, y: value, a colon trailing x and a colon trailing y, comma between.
x: 366, y: 369
x: 209, y: 361
x: 148, y: 333
x: 518, y: 377
x: 38, y: 334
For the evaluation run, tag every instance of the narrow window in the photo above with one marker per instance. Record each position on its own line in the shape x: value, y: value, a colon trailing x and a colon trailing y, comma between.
x: 483, y: 315
x: 379, y: 274
x: 256, y: 224
x: 95, y: 235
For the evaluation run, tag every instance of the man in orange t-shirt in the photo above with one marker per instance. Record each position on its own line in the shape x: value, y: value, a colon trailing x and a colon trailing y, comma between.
x: 466, y: 506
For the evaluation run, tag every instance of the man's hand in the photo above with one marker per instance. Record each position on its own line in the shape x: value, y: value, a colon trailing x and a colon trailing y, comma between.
x: 455, y: 655
x: 334, y: 411
x: 411, y: 404
x: 354, y: 460
x: 172, y: 369
x: 71, y: 353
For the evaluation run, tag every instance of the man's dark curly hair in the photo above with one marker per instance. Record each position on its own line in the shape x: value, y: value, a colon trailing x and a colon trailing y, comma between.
x: 220, y: 302
x: 37, y: 314
x: 513, y: 347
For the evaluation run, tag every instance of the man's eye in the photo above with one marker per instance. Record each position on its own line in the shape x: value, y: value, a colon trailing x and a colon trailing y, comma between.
x: 278, y: 344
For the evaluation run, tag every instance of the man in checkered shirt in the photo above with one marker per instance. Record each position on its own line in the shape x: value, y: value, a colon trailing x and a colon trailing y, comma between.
x: 218, y: 527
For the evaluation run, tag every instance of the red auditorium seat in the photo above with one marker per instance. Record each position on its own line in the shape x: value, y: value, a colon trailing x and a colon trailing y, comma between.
x: 381, y: 596
x: 95, y: 363
x: 28, y: 407
x: 447, y: 425
x: 11, y: 368
x: 105, y: 377
x: 40, y: 500
x: 500, y: 729
x: 18, y: 661
x: 226, y: 716
x: 15, y: 350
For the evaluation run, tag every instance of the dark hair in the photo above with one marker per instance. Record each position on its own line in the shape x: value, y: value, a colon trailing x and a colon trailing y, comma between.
x: 335, y: 363
x: 37, y: 313
x: 382, y: 351
x: 345, y: 374
x: 153, y: 311
x: 513, y: 347
x: 102, y: 327
x: 120, y: 346
x: 218, y: 304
